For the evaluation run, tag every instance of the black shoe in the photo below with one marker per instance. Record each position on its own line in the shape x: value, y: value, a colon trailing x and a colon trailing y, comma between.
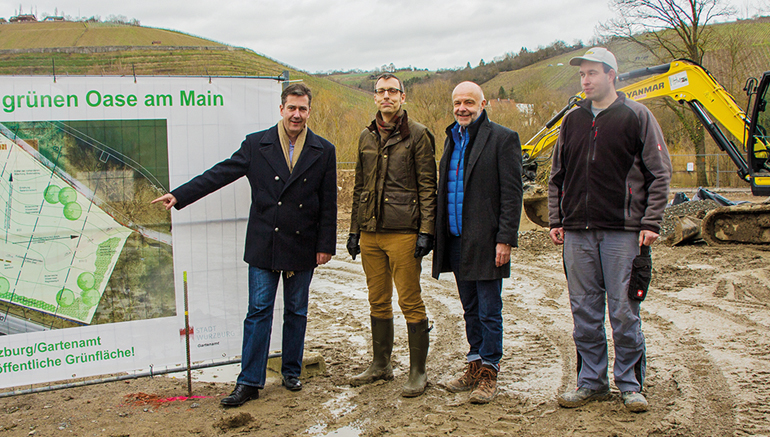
x: 240, y: 395
x: 292, y: 383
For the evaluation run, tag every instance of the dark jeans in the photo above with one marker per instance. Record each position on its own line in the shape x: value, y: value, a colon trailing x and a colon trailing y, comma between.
x: 259, y: 323
x: 483, y: 306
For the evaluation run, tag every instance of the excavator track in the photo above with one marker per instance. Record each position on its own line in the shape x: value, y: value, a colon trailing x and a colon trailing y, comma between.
x: 736, y: 225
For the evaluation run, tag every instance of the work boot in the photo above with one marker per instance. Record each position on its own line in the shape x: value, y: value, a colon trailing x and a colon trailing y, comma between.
x: 486, y: 387
x: 634, y: 401
x: 467, y: 381
x: 582, y: 396
x: 382, y: 346
x: 418, y: 353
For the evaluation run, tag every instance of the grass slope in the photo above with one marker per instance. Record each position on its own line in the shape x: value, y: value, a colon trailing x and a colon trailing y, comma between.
x: 80, y: 34
x: 142, y: 62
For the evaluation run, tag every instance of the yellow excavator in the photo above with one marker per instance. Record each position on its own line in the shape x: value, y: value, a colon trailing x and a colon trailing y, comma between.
x: 687, y: 82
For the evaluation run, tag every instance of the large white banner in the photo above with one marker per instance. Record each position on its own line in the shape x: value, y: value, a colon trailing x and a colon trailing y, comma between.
x: 90, y: 273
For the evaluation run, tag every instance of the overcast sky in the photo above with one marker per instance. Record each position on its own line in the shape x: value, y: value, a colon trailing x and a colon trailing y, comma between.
x: 316, y: 35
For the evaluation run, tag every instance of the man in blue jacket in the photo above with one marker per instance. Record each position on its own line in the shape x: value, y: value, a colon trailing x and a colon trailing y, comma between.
x: 606, y: 196
x: 292, y: 229
x: 477, y: 223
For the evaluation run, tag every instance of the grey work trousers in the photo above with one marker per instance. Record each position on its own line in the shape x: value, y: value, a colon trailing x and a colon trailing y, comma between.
x: 598, y: 267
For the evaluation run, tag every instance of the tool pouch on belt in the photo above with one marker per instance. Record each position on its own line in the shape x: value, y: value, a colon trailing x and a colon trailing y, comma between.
x: 641, y: 274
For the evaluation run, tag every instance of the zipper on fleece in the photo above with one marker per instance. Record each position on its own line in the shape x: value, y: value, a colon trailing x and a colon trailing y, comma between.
x: 628, y: 201
x: 591, y: 157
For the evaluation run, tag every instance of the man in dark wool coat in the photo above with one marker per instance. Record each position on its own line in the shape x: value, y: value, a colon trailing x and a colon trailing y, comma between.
x: 477, y: 223
x: 292, y: 229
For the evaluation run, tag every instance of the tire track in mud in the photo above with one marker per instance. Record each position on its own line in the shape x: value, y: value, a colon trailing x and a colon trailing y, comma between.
x: 700, y: 381
x: 681, y: 373
x: 539, y: 356
x: 536, y: 313
x: 734, y: 354
x: 728, y: 317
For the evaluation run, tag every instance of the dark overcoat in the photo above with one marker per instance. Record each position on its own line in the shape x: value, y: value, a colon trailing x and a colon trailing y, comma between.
x: 293, y: 214
x: 491, y: 203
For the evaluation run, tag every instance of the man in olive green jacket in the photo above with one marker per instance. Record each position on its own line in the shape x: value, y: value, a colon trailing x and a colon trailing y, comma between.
x: 392, y: 225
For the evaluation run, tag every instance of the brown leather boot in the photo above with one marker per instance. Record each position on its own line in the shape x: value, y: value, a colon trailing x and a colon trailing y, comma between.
x: 486, y: 389
x: 468, y: 379
x: 382, y: 347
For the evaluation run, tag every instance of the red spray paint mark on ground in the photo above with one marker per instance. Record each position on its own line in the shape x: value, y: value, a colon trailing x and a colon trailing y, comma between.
x: 139, y: 399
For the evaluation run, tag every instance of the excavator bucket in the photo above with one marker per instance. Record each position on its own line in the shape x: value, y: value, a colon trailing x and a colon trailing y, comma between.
x: 739, y: 224
x: 686, y: 229
x: 536, y: 204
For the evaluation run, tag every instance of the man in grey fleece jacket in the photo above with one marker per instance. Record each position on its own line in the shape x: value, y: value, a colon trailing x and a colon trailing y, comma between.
x: 607, y: 192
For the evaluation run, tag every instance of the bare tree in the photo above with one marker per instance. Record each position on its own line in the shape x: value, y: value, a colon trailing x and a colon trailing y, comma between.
x: 734, y: 58
x: 430, y: 103
x: 671, y: 29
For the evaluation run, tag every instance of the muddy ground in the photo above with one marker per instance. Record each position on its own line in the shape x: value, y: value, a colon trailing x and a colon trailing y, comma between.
x: 706, y: 321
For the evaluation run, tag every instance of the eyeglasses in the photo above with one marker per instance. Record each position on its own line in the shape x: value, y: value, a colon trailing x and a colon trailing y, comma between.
x: 391, y: 91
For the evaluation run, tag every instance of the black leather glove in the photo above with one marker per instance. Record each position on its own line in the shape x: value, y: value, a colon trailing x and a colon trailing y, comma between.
x: 353, y: 247
x: 424, y: 245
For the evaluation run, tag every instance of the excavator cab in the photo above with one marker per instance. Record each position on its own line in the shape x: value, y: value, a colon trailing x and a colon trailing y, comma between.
x: 757, y: 146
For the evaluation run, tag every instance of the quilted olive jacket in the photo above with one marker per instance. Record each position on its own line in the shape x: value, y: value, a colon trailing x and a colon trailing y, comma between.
x: 395, y: 185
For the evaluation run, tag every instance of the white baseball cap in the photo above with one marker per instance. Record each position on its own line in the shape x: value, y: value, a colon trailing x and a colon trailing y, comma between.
x: 597, y: 54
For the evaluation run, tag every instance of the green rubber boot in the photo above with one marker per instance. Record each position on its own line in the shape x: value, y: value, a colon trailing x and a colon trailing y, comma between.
x: 419, y: 341
x: 382, y: 346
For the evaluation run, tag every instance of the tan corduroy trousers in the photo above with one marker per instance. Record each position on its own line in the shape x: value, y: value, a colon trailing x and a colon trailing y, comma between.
x: 388, y: 258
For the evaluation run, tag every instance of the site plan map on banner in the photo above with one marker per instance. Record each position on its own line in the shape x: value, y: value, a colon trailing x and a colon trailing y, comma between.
x: 67, y: 203
x: 59, y: 248
x: 92, y: 275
